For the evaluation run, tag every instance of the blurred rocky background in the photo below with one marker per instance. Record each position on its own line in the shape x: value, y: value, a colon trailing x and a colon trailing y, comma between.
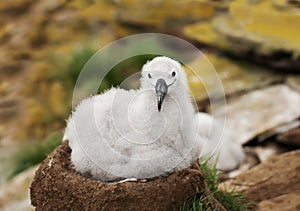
x: 253, y: 44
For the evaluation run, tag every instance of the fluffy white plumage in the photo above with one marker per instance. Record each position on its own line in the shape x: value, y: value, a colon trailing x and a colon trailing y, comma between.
x: 121, y: 134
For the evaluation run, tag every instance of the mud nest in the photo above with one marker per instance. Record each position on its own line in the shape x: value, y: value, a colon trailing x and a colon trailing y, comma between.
x: 57, y: 186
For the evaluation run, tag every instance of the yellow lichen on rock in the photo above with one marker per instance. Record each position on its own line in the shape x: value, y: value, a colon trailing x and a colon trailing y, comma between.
x: 265, y: 20
x: 32, y: 120
x: 3, y: 87
x: 235, y: 76
x: 204, y: 32
x: 5, y: 33
x: 258, y: 28
x: 39, y: 74
x: 101, y: 10
x: 16, y: 5
x: 158, y: 13
x: 58, y: 99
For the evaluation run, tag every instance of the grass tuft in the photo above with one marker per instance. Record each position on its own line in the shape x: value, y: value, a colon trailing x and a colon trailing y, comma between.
x: 231, y: 201
x: 197, y: 202
x: 211, y: 174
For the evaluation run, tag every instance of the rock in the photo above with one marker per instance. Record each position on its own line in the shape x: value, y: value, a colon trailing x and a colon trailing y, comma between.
x: 57, y: 186
x: 261, y: 110
x: 291, y: 137
x: 15, y: 6
x: 278, y: 130
x: 270, y: 182
x: 218, y: 4
x: 48, y: 6
x: 14, y: 195
x: 8, y: 109
x: 293, y: 81
x: 287, y: 202
x: 287, y: 134
x: 250, y: 161
x: 162, y: 14
x: 203, y: 32
x: 262, y: 14
x: 267, y: 150
x: 236, y: 77
x: 258, y: 154
x: 248, y: 31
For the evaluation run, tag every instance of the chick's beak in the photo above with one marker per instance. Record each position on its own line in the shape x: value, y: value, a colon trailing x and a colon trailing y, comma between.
x: 161, y: 90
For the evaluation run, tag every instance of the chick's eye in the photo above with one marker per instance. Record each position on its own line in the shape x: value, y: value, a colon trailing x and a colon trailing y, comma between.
x: 173, y: 74
x: 149, y: 76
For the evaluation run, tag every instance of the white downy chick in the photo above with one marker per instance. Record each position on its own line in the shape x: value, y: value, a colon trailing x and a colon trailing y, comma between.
x: 144, y: 133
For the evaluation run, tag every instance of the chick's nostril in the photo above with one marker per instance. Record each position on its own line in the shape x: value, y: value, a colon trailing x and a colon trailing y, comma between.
x: 161, y: 86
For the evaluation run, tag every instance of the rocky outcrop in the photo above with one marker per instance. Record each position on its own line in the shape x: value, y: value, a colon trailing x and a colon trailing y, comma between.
x: 291, y: 137
x: 261, y: 110
x: 271, y: 184
x: 286, y: 202
x: 57, y: 186
x: 247, y: 30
